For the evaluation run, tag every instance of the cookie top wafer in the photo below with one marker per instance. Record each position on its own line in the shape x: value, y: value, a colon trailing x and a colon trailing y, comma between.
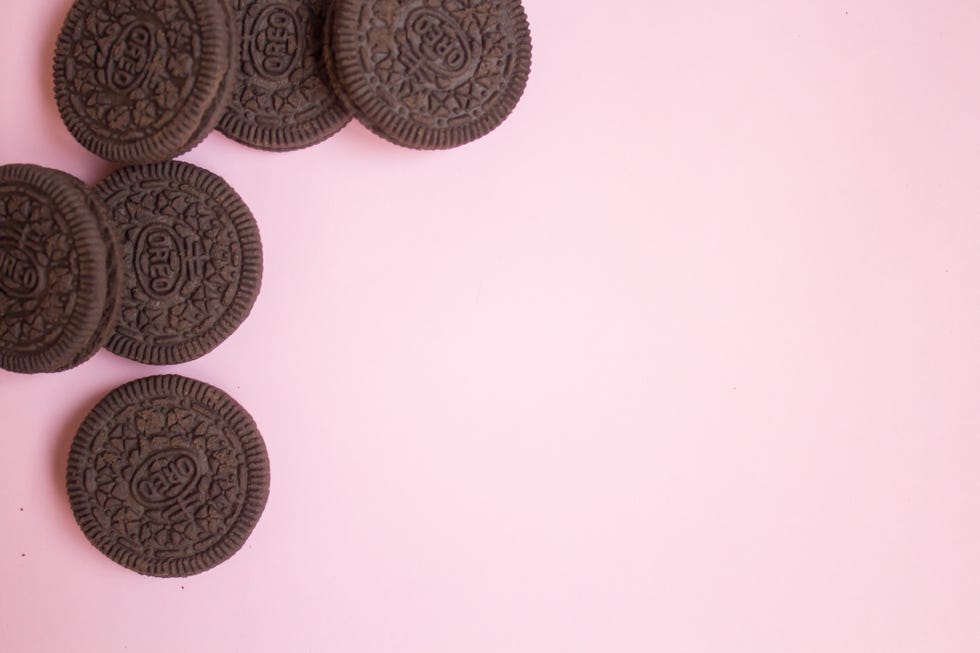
x: 192, y: 261
x: 430, y: 74
x: 53, y: 277
x: 168, y: 476
x: 283, y: 99
x: 136, y: 80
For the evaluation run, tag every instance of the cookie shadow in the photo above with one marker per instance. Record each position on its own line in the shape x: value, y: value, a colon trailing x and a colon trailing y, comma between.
x: 362, y: 137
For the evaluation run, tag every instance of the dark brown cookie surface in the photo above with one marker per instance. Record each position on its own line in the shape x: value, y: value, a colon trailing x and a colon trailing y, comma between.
x: 168, y: 476
x: 283, y: 99
x: 192, y: 261
x: 53, y: 277
x: 136, y: 80
x: 430, y: 74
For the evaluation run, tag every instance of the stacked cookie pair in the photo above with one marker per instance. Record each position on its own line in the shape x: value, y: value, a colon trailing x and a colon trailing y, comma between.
x: 159, y: 263
x: 142, y: 81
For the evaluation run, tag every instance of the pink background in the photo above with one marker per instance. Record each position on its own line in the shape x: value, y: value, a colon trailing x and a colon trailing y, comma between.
x: 685, y: 357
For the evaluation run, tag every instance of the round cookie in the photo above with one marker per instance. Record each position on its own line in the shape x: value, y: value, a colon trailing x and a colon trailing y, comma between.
x: 191, y: 257
x: 53, y: 276
x: 168, y: 476
x: 137, y: 81
x: 283, y: 99
x: 429, y: 74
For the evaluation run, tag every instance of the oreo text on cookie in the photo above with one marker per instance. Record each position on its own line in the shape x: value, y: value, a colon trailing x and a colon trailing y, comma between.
x: 164, y: 477
x: 130, y: 56
x: 275, y: 41
x: 19, y: 276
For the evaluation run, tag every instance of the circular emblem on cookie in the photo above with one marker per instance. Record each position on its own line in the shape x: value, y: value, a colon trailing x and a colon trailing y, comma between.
x: 53, y: 276
x: 283, y: 99
x: 168, y: 476
x: 191, y: 258
x: 136, y: 81
x: 429, y: 74
x: 275, y: 35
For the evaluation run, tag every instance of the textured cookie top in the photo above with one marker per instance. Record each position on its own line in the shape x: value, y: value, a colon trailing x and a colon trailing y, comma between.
x: 52, y: 270
x: 135, y: 79
x: 168, y: 476
x: 192, y: 261
x: 283, y: 99
x: 430, y: 73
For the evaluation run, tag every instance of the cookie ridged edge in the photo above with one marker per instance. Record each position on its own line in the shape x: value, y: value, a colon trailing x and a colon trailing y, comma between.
x: 238, y: 420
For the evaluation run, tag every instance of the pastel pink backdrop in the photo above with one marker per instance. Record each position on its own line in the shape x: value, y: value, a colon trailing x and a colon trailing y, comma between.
x: 685, y: 357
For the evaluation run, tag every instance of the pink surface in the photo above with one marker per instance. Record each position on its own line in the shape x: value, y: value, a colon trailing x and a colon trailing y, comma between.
x: 685, y: 357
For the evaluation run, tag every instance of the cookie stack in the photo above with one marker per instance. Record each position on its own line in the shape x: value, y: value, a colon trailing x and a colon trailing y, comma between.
x: 159, y: 263
x: 143, y: 81
x: 162, y: 260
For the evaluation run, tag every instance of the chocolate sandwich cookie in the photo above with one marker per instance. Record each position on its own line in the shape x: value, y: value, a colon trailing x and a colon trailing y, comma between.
x: 168, y: 476
x: 54, y: 276
x: 282, y: 98
x: 429, y: 74
x: 139, y: 81
x: 191, y: 258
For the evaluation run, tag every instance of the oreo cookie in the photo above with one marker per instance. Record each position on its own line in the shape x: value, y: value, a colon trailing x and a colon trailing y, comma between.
x: 140, y: 81
x: 191, y: 257
x: 168, y: 476
x: 282, y: 98
x: 59, y: 271
x: 430, y: 74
